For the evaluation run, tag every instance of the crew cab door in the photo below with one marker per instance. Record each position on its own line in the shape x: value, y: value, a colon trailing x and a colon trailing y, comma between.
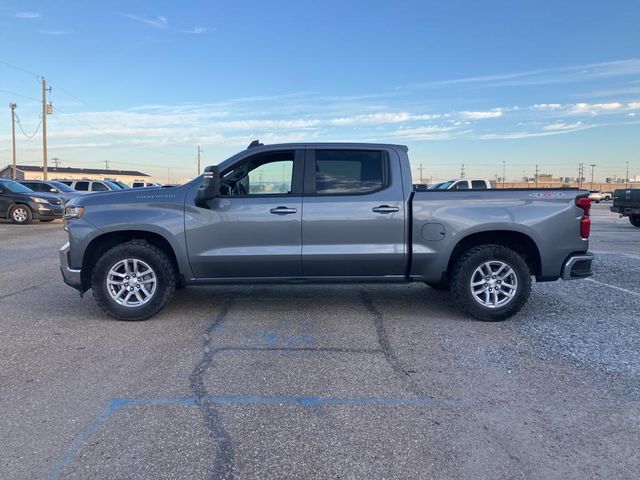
x: 253, y: 229
x: 353, y: 221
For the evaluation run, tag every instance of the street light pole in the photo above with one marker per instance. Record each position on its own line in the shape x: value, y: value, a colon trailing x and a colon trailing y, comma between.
x: 13, y: 106
x: 593, y: 166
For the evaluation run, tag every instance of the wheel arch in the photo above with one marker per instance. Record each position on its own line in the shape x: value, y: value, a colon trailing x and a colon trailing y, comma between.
x: 519, y: 242
x: 104, y: 242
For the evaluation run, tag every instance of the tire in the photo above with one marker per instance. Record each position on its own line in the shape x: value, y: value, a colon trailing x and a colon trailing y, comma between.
x: 499, y: 305
x: 119, y: 265
x: 20, y: 214
x: 440, y: 286
x: 46, y: 220
x: 635, y: 220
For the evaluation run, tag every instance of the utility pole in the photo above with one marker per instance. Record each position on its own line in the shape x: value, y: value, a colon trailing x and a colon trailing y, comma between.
x: 503, y: 172
x: 199, y: 151
x: 593, y: 166
x: 536, y: 177
x: 580, y: 174
x: 106, y: 165
x: 626, y: 179
x: 45, y: 112
x: 13, y: 106
x: 420, y: 170
x: 462, y: 171
x: 56, y: 161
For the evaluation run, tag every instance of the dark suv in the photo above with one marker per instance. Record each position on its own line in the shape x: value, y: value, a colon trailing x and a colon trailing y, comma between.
x: 59, y: 189
x: 21, y: 205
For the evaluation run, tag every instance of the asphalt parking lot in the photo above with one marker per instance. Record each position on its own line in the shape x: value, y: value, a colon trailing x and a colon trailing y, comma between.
x: 357, y: 381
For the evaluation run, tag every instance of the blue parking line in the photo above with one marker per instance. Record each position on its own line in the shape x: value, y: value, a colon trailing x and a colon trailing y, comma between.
x: 69, y: 455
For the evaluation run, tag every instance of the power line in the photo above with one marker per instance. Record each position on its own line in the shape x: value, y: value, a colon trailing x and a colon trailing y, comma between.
x: 22, y: 129
x: 20, y: 95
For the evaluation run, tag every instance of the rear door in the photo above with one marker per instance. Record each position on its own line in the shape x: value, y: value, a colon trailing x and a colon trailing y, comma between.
x: 353, y: 214
x: 253, y: 229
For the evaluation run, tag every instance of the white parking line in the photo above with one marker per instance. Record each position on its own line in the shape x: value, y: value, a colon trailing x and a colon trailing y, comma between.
x: 614, y: 287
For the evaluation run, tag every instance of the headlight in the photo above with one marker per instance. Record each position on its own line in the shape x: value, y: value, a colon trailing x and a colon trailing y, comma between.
x: 38, y: 200
x: 73, y: 212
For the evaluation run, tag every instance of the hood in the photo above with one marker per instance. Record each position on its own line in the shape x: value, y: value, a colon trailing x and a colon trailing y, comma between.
x: 131, y: 195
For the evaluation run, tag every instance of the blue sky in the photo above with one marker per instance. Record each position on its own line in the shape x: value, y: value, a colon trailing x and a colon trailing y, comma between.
x: 140, y: 84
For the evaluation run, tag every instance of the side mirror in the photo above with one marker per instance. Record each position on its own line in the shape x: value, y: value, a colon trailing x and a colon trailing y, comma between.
x: 210, y: 187
x: 54, y: 190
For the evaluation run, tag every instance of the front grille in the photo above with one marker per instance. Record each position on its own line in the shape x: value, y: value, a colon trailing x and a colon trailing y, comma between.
x: 55, y: 202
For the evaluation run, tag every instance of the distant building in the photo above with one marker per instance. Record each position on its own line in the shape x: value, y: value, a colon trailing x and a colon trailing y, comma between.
x: 33, y: 172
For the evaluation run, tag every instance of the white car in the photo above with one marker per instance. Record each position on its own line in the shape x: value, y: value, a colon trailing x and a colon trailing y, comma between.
x: 597, y: 196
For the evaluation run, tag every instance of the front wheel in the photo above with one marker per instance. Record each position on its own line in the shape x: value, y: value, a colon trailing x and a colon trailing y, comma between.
x: 133, y: 281
x: 635, y: 220
x: 20, y: 214
x: 491, y: 282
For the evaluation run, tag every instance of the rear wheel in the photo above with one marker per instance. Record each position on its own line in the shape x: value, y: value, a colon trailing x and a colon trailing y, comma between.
x: 20, y: 214
x: 133, y: 281
x: 635, y: 220
x: 491, y: 282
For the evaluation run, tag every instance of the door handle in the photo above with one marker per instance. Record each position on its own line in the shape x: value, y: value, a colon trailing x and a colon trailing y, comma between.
x: 385, y: 209
x: 283, y: 210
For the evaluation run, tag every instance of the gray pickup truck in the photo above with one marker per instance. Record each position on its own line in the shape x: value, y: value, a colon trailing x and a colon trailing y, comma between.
x: 322, y: 212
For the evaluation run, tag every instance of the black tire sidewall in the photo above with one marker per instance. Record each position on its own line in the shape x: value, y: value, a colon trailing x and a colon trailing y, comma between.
x: 635, y: 220
x: 27, y: 209
x: 466, y: 267
x: 158, y: 262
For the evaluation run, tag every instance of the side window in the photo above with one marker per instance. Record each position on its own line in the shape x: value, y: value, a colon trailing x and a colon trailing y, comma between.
x: 478, y: 185
x: 461, y: 185
x: 82, y: 186
x: 263, y: 174
x: 99, y: 187
x: 339, y: 172
x: 33, y: 186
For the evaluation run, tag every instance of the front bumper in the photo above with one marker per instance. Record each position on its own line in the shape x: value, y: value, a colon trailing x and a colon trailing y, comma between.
x: 48, y: 211
x: 71, y: 276
x: 577, y: 266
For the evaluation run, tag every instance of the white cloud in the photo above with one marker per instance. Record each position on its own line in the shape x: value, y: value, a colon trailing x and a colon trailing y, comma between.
x: 594, y: 108
x: 380, y: 118
x: 27, y: 15
x: 633, y: 106
x: 196, y: 30
x: 55, y: 33
x: 158, y: 21
x: 562, y: 126
x: 546, y: 106
x: 479, y: 115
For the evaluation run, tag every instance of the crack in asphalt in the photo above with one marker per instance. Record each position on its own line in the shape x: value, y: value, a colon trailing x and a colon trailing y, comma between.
x: 223, y: 464
x: 37, y: 285
x: 388, y: 352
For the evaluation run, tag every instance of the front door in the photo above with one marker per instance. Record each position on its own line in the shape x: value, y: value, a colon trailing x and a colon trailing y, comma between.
x: 253, y: 229
x: 353, y: 223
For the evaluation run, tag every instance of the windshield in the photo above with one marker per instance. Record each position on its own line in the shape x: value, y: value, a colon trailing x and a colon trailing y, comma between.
x: 120, y: 184
x: 15, y: 187
x: 441, y: 186
x: 114, y: 186
x: 62, y: 187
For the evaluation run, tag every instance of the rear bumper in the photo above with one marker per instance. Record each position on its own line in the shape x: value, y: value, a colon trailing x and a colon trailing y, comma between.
x: 577, y: 266
x: 71, y: 276
x: 626, y: 210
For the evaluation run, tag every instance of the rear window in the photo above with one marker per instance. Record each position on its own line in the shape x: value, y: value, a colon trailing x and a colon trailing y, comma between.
x: 82, y: 186
x: 341, y: 172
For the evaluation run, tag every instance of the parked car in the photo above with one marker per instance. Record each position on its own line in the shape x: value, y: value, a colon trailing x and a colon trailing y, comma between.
x: 21, y: 205
x: 463, y: 184
x: 598, y: 196
x: 63, y: 191
x: 334, y: 213
x: 144, y: 184
x: 626, y: 202
x: 92, y: 185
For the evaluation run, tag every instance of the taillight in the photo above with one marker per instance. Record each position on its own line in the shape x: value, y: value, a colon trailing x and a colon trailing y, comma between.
x: 585, y: 222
